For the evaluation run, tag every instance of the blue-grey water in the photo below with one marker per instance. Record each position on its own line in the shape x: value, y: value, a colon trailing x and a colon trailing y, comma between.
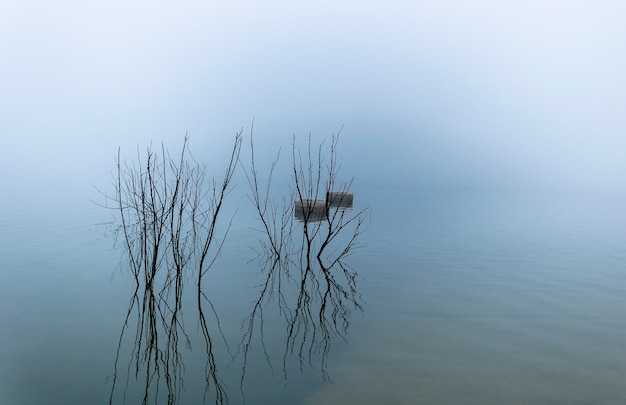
x: 474, y: 297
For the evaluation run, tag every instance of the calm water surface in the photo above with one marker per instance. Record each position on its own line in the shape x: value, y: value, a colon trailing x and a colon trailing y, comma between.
x: 469, y: 297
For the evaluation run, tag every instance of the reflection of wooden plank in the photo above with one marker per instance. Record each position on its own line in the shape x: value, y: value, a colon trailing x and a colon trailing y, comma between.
x: 339, y: 199
x: 311, y: 210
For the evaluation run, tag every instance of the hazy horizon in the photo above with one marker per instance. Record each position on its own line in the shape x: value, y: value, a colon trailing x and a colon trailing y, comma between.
x: 429, y: 93
x: 484, y: 249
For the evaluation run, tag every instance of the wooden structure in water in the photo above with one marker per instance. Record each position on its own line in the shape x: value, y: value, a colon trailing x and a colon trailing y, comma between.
x: 317, y: 210
x: 339, y: 199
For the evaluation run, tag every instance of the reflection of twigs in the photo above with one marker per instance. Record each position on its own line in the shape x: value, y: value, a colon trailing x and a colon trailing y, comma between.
x: 210, y: 374
x: 272, y: 281
x: 152, y: 359
x: 168, y: 221
x: 131, y: 305
x: 321, y: 313
x: 325, y: 287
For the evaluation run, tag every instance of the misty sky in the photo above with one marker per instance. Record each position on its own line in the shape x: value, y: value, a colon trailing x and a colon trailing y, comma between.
x: 431, y: 93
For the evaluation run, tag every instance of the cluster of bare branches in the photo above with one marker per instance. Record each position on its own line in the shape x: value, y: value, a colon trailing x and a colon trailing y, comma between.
x: 274, y: 216
x: 305, y: 274
x: 168, y: 212
x: 330, y: 219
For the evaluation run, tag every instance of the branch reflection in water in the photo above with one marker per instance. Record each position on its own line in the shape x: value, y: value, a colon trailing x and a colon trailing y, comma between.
x: 168, y: 228
x: 306, y: 276
x: 168, y: 232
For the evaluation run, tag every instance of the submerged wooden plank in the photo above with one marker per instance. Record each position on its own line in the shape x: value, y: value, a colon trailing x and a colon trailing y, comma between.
x: 310, y: 210
x: 339, y: 199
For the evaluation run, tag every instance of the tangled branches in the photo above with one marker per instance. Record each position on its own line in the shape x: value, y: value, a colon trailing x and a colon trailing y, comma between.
x: 168, y: 212
x: 305, y: 274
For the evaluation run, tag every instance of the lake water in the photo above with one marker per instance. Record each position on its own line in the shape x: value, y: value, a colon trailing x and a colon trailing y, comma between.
x: 467, y: 297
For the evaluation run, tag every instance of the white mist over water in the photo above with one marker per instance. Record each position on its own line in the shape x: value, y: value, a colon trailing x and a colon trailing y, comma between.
x: 445, y: 93
x: 461, y: 287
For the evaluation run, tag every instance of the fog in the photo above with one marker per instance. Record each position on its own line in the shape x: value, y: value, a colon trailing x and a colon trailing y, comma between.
x: 481, y: 94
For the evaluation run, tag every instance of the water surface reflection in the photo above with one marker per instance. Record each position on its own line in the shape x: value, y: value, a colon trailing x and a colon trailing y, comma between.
x: 168, y: 231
